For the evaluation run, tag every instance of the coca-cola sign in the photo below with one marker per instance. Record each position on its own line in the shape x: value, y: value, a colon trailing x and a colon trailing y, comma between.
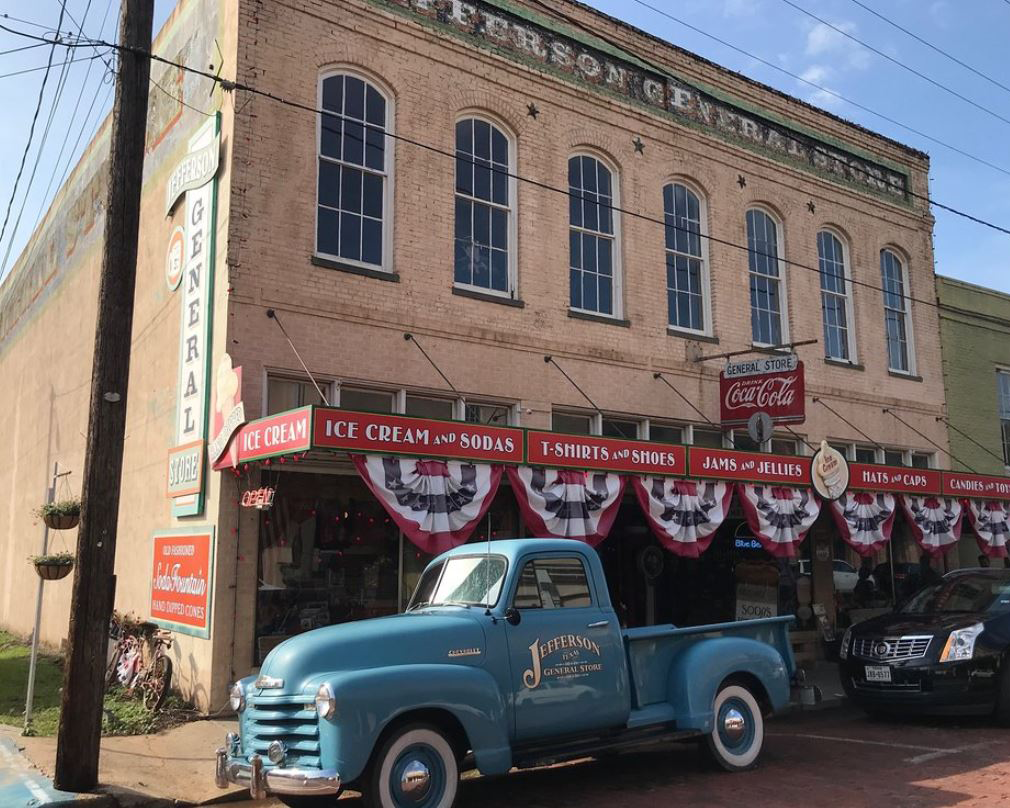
x: 780, y: 394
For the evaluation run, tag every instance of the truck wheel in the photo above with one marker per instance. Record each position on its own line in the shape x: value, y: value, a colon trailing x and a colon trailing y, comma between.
x: 738, y: 735
x: 415, y: 768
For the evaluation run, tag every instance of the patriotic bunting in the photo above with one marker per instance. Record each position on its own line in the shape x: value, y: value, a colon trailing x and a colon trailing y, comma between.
x: 779, y: 517
x: 935, y: 521
x: 565, y: 504
x: 436, y: 503
x: 989, y: 520
x: 683, y: 514
x: 864, y: 520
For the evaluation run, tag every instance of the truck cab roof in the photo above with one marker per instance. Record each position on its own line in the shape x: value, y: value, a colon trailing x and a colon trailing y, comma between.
x: 512, y: 549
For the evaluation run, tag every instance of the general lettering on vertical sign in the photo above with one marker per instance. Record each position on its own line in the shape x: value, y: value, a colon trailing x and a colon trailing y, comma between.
x: 194, y: 178
x: 182, y: 580
x: 773, y: 385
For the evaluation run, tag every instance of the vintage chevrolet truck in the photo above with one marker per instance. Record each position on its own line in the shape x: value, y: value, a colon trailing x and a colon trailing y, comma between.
x: 508, y: 655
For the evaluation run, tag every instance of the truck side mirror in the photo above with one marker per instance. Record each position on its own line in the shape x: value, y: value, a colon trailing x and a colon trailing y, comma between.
x: 512, y: 616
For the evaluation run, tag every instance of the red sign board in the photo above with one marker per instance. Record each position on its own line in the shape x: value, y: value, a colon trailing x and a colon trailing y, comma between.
x: 782, y: 395
x: 182, y: 578
x: 871, y: 477
x: 605, y: 454
x: 725, y: 464
x: 284, y: 433
x: 976, y: 486
x: 397, y: 434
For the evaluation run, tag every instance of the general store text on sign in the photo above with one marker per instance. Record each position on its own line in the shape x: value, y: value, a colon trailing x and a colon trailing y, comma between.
x: 764, y: 365
x: 396, y: 434
x: 604, y: 454
x: 780, y: 394
x: 181, y: 580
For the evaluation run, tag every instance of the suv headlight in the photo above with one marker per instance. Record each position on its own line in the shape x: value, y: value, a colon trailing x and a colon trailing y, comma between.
x: 236, y: 697
x: 843, y: 649
x: 326, y: 704
x: 961, y: 643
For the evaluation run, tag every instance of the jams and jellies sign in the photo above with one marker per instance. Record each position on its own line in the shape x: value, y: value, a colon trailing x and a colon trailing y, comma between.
x: 726, y: 464
x: 182, y: 579
x: 771, y: 384
x: 595, y: 453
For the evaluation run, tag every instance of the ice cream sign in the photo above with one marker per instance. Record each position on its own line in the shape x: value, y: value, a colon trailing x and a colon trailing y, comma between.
x: 829, y: 472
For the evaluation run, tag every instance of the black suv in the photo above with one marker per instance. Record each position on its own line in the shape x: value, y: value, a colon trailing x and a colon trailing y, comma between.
x: 944, y: 650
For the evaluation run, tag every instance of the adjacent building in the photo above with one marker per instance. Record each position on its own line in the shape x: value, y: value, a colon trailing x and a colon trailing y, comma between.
x: 502, y: 182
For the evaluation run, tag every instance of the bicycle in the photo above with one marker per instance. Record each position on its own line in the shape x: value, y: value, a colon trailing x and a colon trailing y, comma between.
x: 138, y: 659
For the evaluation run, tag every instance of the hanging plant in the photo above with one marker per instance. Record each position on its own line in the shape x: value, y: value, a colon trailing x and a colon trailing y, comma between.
x: 62, y: 515
x: 53, y: 566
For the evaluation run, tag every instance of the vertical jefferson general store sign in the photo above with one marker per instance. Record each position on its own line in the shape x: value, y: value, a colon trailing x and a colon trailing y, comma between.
x: 194, y: 178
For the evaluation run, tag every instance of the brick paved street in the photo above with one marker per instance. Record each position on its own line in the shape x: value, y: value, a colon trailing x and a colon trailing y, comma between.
x: 836, y: 758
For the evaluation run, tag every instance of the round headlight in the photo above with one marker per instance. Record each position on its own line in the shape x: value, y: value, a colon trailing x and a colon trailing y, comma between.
x: 236, y: 697
x: 326, y: 704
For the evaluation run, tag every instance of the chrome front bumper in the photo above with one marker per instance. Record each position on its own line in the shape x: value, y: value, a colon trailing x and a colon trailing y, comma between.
x: 260, y: 781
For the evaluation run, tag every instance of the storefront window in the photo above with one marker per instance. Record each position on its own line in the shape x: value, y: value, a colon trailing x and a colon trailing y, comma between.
x: 866, y: 454
x: 710, y: 438
x: 571, y: 422
x: 366, y: 400
x: 288, y: 394
x: 783, y: 446
x: 665, y: 433
x: 894, y: 457
x: 494, y: 414
x: 422, y: 407
x: 921, y: 461
x: 617, y: 428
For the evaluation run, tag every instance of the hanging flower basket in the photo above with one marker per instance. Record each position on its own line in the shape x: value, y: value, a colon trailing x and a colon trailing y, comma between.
x: 53, y: 567
x: 63, y: 515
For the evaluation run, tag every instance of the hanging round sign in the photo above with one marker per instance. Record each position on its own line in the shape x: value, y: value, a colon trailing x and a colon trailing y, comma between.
x: 829, y: 472
x: 175, y: 258
x: 760, y: 427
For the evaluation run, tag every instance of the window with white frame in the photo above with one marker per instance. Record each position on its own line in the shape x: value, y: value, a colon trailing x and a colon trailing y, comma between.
x: 896, y: 313
x: 593, y: 261
x: 836, y: 300
x: 287, y: 394
x: 356, y: 398
x: 890, y: 456
x: 1003, y: 392
x: 766, y: 293
x: 351, y: 214
x: 484, y: 200
x: 686, y: 280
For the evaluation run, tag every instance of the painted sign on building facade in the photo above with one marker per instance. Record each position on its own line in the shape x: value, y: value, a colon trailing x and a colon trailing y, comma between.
x: 182, y: 579
x: 195, y: 177
x: 604, y: 454
x: 770, y: 385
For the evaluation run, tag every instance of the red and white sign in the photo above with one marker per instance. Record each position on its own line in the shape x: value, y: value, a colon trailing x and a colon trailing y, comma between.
x: 726, y: 464
x: 372, y: 433
x: 896, y: 479
x: 604, y: 454
x: 182, y: 580
x: 260, y: 498
x: 284, y: 433
x: 781, y: 394
x: 229, y: 411
x: 975, y: 485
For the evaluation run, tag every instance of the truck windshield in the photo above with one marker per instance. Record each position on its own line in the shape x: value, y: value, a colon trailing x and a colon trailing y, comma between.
x: 964, y: 593
x: 462, y: 581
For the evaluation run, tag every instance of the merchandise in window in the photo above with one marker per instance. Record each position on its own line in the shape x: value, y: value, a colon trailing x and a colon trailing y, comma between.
x: 592, y: 249
x: 684, y: 270
x: 765, y: 278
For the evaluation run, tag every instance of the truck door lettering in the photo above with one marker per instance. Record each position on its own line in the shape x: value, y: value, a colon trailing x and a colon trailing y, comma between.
x: 571, y: 666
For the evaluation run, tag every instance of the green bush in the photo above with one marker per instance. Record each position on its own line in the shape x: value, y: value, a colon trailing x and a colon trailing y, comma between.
x: 60, y: 559
x: 64, y: 507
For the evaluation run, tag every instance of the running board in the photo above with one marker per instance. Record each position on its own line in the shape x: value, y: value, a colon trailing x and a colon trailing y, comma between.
x: 544, y: 754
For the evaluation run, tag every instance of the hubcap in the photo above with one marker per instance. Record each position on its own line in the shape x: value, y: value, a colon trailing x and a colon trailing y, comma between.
x: 734, y: 725
x: 415, y: 781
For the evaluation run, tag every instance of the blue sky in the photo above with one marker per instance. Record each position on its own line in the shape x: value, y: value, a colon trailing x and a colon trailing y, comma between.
x: 769, y: 29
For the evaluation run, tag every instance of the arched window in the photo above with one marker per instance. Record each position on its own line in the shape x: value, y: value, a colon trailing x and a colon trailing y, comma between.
x: 593, y: 262
x: 766, y: 292
x: 896, y: 312
x: 836, y: 298
x: 354, y: 157
x: 686, y: 281
x: 484, y: 205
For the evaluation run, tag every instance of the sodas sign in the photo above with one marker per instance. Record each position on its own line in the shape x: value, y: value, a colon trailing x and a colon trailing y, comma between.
x: 780, y: 394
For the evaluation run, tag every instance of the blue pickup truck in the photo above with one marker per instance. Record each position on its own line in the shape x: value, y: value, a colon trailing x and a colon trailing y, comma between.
x: 509, y: 655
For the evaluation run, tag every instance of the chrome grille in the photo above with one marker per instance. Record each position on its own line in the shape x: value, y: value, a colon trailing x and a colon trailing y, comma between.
x: 282, y: 719
x: 889, y: 649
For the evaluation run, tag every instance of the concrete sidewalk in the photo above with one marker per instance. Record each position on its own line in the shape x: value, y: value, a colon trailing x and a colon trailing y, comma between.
x: 171, y: 768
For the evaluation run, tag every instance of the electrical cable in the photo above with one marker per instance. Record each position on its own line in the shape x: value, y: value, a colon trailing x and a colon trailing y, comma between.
x: 23, y: 48
x: 898, y: 62
x: 947, y: 451
x: 27, y: 70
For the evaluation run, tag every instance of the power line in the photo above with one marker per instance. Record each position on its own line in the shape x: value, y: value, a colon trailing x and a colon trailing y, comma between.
x: 828, y: 91
x: 31, y: 129
x: 23, y: 48
x: 230, y: 86
x: 898, y: 62
x: 44, y: 67
x: 928, y: 44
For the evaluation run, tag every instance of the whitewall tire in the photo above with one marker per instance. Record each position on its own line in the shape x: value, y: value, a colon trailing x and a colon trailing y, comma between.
x: 737, y: 737
x: 416, y: 767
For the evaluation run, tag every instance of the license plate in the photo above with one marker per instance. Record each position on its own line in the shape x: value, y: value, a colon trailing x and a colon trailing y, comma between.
x: 878, y: 673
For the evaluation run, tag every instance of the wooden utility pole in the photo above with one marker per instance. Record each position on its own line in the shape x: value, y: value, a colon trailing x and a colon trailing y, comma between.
x: 94, y: 582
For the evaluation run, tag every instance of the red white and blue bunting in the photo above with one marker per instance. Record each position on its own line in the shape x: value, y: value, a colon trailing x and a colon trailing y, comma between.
x: 436, y: 503
x: 779, y: 516
x: 683, y: 514
x: 991, y: 523
x: 935, y: 521
x: 565, y: 504
x: 864, y: 520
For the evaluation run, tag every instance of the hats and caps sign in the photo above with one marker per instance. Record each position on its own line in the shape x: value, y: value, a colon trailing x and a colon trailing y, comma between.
x: 771, y: 384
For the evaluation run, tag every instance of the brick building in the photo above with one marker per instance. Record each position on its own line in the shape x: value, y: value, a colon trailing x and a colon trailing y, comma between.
x: 503, y: 182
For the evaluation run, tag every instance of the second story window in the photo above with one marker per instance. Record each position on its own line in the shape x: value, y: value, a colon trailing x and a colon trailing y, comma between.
x: 766, y: 296
x: 483, y: 207
x: 895, y: 313
x: 835, y: 299
x: 1003, y: 393
x: 592, y: 236
x: 351, y: 214
x: 685, y: 270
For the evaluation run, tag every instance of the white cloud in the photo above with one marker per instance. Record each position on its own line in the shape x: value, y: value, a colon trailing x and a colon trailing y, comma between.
x: 740, y: 8
x: 821, y: 75
x: 938, y: 13
x: 823, y: 41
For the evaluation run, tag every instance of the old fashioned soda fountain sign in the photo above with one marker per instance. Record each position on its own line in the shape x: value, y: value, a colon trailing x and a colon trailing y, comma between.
x: 772, y: 384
